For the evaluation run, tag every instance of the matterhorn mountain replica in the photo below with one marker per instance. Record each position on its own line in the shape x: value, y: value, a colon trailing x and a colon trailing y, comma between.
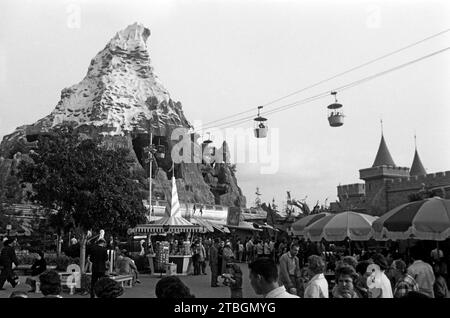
x: 117, y: 101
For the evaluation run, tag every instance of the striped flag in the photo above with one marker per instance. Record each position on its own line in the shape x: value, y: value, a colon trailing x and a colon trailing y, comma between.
x: 175, y: 207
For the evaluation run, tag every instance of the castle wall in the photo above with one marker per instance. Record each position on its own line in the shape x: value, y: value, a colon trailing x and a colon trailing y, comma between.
x: 430, y: 180
x: 398, y: 190
x: 351, y: 197
x: 351, y: 203
x: 351, y: 189
x: 376, y: 198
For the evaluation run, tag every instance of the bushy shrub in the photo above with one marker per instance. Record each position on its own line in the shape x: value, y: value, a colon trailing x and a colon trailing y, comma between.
x: 26, y: 259
x: 61, y: 262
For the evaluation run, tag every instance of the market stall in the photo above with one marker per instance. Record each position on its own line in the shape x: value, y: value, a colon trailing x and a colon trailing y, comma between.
x: 171, y: 258
x: 167, y: 250
x: 345, y: 226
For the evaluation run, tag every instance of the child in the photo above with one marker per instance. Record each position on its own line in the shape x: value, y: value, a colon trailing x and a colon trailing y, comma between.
x: 233, y: 278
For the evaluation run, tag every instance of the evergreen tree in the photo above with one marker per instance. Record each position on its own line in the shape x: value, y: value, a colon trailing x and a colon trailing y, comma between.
x: 87, y: 186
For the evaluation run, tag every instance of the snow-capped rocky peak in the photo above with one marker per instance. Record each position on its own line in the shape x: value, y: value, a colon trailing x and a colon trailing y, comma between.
x: 120, y: 90
x: 118, y: 98
x: 133, y: 36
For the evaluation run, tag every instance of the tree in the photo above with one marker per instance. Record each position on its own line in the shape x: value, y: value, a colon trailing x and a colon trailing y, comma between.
x: 12, y: 189
x: 422, y: 194
x: 90, y: 187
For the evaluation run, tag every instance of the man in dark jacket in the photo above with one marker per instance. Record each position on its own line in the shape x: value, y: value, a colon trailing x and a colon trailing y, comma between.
x: 98, y: 256
x: 214, y: 262
x: 7, y: 258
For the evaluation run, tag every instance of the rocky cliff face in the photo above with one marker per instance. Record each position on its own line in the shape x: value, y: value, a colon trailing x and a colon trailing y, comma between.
x: 118, y: 100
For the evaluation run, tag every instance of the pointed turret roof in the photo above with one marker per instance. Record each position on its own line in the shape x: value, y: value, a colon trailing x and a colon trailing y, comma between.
x: 417, y: 168
x: 383, y: 156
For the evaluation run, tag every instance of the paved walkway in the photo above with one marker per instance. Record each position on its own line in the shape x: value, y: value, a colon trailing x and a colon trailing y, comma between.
x: 199, y: 286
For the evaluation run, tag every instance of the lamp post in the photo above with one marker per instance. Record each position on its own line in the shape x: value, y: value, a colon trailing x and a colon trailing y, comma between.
x: 8, y: 229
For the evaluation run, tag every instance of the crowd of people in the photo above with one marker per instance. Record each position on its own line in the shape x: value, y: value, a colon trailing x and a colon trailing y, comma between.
x: 366, y: 275
x: 284, y: 269
x: 309, y: 270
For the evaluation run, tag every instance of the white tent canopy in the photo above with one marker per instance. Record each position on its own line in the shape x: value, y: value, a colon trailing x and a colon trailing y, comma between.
x: 173, y: 222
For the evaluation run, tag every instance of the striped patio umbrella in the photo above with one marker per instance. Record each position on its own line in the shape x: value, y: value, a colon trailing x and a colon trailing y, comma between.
x: 427, y: 219
x: 338, y: 227
x: 298, y: 228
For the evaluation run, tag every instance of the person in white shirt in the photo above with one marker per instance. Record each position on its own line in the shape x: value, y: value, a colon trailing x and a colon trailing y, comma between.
x: 317, y: 287
x: 380, y: 285
x: 421, y: 272
x: 264, y: 279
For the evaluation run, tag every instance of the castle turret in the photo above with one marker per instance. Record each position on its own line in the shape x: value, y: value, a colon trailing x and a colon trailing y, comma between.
x: 376, y: 178
x: 383, y: 166
x: 383, y: 157
x: 388, y: 186
x: 417, y: 168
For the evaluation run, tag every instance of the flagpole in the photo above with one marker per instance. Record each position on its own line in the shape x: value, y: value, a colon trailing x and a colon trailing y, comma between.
x: 150, y: 178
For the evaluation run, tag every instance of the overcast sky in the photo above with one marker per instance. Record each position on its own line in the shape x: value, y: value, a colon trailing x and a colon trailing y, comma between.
x: 223, y: 57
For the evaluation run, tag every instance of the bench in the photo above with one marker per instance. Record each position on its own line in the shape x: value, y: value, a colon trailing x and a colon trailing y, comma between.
x: 71, y: 278
x: 75, y: 280
x: 26, y: 269
x: 124, y: 280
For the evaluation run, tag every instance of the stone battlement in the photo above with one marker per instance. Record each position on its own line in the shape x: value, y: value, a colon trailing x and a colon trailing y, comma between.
x: 398, y: 190
x: 383, y: 171
x: 352, y: 189
x: 431, y: 177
